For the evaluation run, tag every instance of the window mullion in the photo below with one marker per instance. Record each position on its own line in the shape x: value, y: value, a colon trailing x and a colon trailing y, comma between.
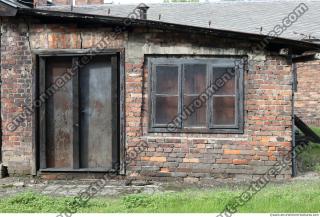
x: 209, y: 104
x: 153, y: 98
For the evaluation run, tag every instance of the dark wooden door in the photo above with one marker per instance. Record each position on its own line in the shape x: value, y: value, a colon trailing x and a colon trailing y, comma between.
x: 96, y: 113
x: 80, y: 119
x: 59, y: 115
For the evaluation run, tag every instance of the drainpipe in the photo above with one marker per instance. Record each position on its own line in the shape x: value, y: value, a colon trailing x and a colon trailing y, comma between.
x: 294, y: 89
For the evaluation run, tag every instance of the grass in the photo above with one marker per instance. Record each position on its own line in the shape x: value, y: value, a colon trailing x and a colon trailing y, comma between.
x: 296, y: 197
x: 309, y: 160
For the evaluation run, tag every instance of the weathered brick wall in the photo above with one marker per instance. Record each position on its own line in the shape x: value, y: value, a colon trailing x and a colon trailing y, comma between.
x: 188, y: 157
x: 89, y: 2
x: 194, y: 157
x: 16, y: 77
x: 307, y: 104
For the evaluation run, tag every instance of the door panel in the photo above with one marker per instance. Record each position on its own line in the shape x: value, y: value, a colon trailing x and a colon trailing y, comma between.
x: 95, y: 81
x: 59, y: 115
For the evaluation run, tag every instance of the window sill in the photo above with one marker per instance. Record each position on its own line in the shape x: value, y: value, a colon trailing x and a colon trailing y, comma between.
x: 199, y: 131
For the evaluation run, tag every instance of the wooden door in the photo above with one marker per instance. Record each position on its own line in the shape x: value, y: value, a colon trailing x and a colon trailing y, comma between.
x: 79, y: 122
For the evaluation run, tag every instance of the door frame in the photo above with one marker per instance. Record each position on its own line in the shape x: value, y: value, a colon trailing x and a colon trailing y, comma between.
x: 37, y: 55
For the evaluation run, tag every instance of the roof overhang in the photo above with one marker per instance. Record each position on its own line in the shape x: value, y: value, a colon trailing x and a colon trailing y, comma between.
x: 273, y: 43
x: 7, y: 9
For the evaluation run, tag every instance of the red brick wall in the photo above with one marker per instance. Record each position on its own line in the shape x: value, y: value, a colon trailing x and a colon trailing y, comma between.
x: 188, y: 157
x: 62, y: 2
x: 194, y: 157
x: 307, y: 104
x: 89, y: 2
x: 15, y: 90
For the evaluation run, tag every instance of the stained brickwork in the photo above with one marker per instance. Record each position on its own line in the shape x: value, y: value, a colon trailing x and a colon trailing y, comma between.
x: 188, y: 157
x: 307, y: 104
x: 16, y: 66
x: 194, y: 157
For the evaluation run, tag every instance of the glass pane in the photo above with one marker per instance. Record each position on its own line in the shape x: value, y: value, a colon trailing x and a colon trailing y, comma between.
x: 196, y: 118
x: 195, y: 78
x: 223, y: 110
x: 166, y: 109
x: 224, y: 80
x: 167, y: 79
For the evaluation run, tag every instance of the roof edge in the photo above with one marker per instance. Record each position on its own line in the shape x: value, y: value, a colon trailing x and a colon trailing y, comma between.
x: 295, y: 45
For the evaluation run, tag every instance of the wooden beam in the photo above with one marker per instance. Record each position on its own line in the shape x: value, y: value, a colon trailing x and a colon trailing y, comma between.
x: 306, y: 58
x: 307, y: 131
x: 42, y: 118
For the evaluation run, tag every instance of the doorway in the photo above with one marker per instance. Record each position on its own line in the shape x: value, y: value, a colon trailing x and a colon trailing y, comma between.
x: 79, y: 119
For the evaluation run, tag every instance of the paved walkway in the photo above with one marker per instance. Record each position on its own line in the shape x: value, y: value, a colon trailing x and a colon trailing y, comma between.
x: 13, y: 185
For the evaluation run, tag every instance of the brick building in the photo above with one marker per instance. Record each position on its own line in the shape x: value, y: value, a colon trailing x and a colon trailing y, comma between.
x: 84, y: 92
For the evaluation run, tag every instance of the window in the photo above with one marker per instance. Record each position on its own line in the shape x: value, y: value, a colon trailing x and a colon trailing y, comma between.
x: 196, y: 95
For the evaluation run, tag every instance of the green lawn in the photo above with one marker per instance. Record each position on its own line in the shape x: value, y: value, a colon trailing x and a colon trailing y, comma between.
x: 309, y: 160
x: 302, y: 196
x: 317, y: 130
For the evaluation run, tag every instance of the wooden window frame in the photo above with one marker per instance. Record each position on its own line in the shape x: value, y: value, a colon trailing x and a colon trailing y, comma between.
x: 210, y: 62
x: 39, y: 115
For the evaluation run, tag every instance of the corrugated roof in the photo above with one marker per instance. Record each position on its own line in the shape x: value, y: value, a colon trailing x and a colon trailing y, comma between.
x: 258, y: 17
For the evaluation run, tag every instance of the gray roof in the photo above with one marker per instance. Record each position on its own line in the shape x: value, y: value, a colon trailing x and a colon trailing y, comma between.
x: 257, y: 17
x: 13, y: 3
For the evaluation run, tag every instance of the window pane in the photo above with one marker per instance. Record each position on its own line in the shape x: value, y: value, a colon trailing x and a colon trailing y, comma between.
x: 223, y: 110
x: 166, y: 109
x: 224, y: 80
x: 167, y: 79
x: 198, y: 117
x: 195, y: 78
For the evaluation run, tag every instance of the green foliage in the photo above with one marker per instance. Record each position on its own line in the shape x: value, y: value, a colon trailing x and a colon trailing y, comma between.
x: 27, y: 198
x: 31, y: 202
x: 317, y: 168
x: 138, y: 201
x: 274, y: 198
x: 310, y: 158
